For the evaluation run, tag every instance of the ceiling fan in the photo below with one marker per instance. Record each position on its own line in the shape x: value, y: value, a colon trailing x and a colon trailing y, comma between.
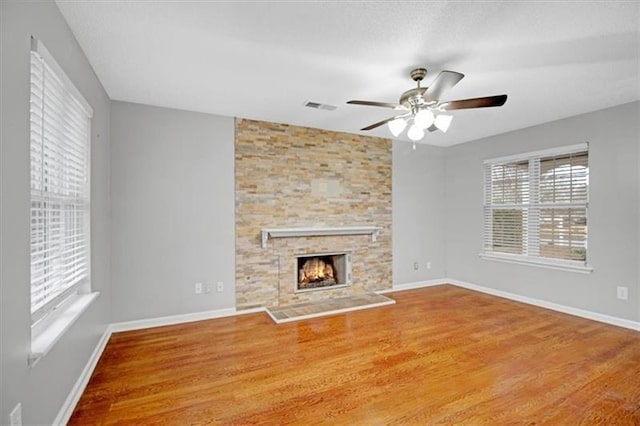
x: 423, y: 108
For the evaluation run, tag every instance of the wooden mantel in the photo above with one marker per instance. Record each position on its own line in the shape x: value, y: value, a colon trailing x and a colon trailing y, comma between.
x: 318, y: 232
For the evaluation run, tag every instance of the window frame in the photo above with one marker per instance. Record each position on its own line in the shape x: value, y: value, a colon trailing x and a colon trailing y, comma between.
x: 51, y: 311
x: 533, y: 160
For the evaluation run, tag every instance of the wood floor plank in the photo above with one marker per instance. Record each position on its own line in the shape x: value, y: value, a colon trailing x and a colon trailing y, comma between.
x: 440, y: 355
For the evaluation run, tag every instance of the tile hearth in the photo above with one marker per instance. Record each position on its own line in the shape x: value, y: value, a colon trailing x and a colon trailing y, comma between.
x: 306, y: 310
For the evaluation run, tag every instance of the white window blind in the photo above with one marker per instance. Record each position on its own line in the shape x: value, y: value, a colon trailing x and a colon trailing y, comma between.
x: 60, y: 124
x: 535, y: 205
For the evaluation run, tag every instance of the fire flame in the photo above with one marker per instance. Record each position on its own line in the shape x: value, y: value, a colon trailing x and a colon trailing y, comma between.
x: 315, y: 270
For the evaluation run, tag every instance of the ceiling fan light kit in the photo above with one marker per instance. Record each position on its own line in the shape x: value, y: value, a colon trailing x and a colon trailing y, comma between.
x: 415, y: 133
x: 397, y: 126
x: 423, y: 118
x: 422, y: 107
x: 443, y: 122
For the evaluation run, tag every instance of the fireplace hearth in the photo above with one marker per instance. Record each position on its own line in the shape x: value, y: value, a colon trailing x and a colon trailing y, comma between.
x: 322, y: 271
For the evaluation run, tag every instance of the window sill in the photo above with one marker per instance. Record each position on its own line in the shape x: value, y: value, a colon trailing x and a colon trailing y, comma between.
x: 63, y: 319
x: 540, y: 263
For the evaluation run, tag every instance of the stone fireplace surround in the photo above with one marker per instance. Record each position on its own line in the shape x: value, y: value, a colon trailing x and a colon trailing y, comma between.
x: 290, y: 177
x: 284, y: 279
x: 287, y: 250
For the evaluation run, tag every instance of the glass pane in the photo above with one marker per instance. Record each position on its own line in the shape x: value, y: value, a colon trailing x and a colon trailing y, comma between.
x: 563, y: 233
x: 510, y: 183
x: 564, y: 179
x: 508, y: 227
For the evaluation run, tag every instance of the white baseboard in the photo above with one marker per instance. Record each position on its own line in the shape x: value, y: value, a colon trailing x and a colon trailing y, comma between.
x: 608, y: 319
x: 74, y: 396
x: 76, y: 392
x: 172, y: 319
x: 78, y: 389
x: 411, y: 286
x: 252, y: 311
x: 582, y: 313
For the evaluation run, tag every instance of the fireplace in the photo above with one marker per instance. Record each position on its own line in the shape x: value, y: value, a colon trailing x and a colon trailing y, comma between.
x: 323, y: 271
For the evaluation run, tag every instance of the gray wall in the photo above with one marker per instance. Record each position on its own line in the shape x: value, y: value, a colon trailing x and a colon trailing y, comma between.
x: 418, y: 212
x: 43, y: 388
x: 613, y: 135
x: 172, y: 211
x: 172, y: 202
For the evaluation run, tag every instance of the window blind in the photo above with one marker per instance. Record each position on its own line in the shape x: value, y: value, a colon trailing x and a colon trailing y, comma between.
x: 535, y: 205
x: 60, y: 124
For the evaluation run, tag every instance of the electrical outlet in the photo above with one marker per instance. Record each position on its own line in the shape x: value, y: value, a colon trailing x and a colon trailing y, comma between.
x: 220, y: 287
x: 623, y: 293
x: 15, y: 417
x: 416, y: 266
x: 428, y: 265
x: 198, y: 288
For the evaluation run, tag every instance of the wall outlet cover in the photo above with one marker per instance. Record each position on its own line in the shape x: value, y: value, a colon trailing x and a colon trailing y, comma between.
x: 198, y: 288
x: 623, y: 293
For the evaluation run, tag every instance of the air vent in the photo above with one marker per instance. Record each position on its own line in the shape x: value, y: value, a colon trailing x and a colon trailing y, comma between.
x: 317, y: 105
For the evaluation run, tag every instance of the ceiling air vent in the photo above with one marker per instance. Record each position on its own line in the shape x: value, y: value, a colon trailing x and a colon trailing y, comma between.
x: 317, y: 105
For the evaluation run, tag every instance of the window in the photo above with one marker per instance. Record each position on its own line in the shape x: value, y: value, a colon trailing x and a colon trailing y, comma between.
x: 60, y: 121
x: 535, y: 207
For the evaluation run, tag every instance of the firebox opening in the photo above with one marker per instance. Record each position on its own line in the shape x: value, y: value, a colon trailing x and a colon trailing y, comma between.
x: 322, y: 271
x: 316, y: 270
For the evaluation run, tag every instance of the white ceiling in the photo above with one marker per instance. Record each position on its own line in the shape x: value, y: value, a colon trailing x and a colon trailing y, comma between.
x: 263, y: 60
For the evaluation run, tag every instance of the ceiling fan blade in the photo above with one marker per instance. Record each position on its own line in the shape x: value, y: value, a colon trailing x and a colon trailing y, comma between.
x: 443, y: 82
x: 378, y: 124
x: 372, y: 103
x: 489, y: 101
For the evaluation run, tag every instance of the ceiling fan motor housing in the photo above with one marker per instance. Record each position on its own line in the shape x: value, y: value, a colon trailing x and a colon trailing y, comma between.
x: 418, y: 74
x: 412, y: 99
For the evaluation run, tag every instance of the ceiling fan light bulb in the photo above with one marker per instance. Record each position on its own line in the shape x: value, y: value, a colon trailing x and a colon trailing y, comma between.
x: 443, y: 122
x: 397, y: 126
x: 424, y: 118
x: 415, y: 133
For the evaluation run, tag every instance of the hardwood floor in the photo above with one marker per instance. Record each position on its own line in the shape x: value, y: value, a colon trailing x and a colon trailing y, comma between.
x: 440, y: 355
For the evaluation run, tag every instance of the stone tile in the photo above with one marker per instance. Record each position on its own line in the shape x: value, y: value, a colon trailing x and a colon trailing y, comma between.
x: 279, y: 169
